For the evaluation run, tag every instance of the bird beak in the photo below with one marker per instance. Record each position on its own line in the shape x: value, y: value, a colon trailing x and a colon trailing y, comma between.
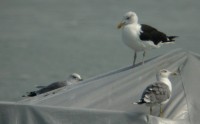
x: 120, y: 25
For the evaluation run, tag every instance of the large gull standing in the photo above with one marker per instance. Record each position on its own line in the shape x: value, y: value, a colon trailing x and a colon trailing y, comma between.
x: 141, y: 37
x: 158, y: 92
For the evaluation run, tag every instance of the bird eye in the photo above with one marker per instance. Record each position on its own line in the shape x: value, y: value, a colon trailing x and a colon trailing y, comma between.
x: 127, y: 18
x: 74, y: 77
x: 164, y: 71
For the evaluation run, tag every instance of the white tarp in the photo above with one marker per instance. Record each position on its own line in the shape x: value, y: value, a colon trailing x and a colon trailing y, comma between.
x: 108, y: 98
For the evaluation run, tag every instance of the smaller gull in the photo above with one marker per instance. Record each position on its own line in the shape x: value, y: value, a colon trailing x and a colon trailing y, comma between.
x: 141, y: 37
x: 72, y: 79
x: 158, y: 92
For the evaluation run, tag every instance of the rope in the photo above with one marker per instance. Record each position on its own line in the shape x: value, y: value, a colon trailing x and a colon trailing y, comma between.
x: 179, y: 71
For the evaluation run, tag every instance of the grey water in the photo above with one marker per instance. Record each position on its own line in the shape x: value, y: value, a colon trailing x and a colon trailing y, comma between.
x: 42, y: 41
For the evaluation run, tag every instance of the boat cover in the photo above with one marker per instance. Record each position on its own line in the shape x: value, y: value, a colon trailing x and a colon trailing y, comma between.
x: 108, y: 98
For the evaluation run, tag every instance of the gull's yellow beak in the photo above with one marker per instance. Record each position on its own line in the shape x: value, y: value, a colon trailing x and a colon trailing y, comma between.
x: 120, y: 25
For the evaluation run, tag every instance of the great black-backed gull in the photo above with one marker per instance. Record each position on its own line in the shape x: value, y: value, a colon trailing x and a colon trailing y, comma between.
x: 158, y: 92
x: 141, y: 37
x: 72, y: 79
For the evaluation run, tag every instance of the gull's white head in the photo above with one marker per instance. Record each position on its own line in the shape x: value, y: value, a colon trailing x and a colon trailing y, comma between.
x: 164, y: 73
x: 129, y: 18
x: 75, y: 77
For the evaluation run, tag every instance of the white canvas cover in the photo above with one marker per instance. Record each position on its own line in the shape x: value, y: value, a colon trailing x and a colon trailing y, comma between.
x: 108, y: 98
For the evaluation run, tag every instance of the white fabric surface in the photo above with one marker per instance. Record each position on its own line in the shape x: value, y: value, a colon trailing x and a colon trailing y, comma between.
x: 108, y: 98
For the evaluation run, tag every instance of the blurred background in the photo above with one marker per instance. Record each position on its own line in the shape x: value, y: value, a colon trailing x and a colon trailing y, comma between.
x: 42, y: 41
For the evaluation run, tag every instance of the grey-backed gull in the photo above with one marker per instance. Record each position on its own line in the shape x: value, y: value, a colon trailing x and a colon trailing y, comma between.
x: 158, y: 92
x: 141, y: 37
x: 72, y: 79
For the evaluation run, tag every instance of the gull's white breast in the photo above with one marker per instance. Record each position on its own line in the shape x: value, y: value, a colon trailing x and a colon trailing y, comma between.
x: 169, y: 84
x: 130, y: 36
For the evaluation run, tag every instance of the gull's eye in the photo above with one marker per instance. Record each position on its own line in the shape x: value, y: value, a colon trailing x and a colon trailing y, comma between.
x: 74, y: 77
x: 164, y: 71
x: 127, y: 18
